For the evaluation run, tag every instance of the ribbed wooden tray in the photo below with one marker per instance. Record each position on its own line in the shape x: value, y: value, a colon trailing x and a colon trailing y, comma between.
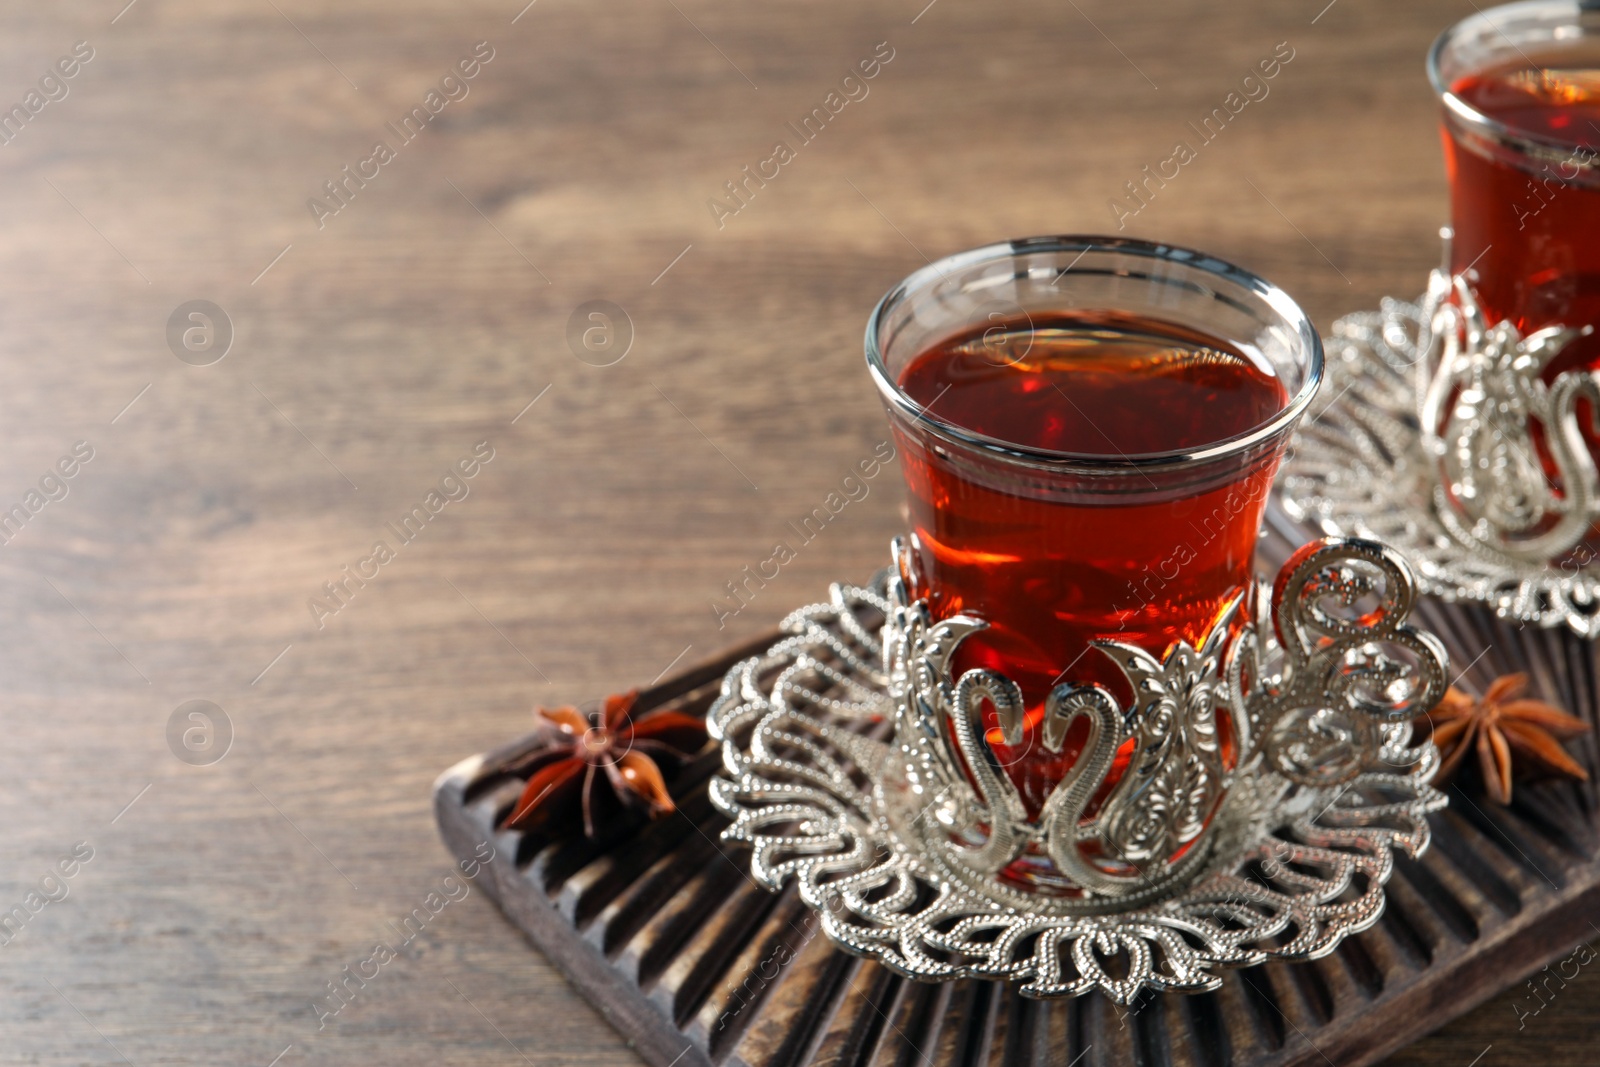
x: 665, y: 932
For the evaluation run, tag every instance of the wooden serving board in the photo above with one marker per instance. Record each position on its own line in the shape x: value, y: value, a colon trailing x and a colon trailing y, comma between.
x: 665, y: 932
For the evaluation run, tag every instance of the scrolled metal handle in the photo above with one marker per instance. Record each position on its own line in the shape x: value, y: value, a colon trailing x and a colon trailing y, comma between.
x: 1346, y: 674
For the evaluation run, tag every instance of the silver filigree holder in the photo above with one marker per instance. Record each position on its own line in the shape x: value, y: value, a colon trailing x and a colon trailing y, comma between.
x: 1450, y: 446
x: 1270, y: 779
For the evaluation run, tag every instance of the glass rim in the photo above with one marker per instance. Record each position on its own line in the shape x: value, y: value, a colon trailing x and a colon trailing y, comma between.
x: 1276, y: 299
x: 1489, y: 18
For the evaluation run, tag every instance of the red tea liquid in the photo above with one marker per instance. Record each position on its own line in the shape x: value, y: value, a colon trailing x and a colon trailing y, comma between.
x: 1530, y: 227
x: 1150, y: 562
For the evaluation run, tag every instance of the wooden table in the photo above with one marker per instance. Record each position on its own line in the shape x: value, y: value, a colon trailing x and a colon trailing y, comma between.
x: 374, y: 347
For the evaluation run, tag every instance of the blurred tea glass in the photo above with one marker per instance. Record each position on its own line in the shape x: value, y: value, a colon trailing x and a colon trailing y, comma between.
x: 1520, y: 91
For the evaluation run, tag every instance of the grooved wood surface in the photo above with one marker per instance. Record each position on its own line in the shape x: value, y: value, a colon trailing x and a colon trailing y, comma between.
x: 226, y: 897
x: 699, y: 965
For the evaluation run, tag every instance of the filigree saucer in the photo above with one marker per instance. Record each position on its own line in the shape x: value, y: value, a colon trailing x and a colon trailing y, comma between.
x: 841, y: 775
x: 1364, y: 467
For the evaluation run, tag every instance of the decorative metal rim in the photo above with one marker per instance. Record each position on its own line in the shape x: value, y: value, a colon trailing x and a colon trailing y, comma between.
x: 1292, y: 869
x: 1367, y: 473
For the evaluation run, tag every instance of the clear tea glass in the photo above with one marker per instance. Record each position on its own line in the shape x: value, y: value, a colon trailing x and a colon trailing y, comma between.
x: 1519, y: 88
x: 1088, y: 430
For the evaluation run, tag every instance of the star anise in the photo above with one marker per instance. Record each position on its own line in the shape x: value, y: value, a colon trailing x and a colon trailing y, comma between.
x: 603, y: 764
x: 1502, y: 725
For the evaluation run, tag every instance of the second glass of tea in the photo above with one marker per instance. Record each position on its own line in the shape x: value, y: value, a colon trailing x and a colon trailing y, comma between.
x: 1088, y: 430
x: 1519, y: 87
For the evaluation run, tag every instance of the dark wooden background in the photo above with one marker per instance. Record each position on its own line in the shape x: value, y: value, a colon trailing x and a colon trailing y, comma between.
x: 422, y: 319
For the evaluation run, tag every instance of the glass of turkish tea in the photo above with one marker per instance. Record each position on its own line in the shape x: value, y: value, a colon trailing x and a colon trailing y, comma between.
x: 1520, y: 89
x: 1088, y: 430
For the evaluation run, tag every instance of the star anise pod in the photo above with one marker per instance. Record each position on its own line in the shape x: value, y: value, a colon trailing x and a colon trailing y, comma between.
x: 1502, y: 726
x: 603, y: 764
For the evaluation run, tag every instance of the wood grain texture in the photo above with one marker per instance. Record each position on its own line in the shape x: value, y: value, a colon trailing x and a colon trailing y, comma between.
x: 418, y: 322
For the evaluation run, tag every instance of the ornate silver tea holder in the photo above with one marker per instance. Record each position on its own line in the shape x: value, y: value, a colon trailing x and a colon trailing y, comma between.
x: 858, y: 765
x: 1451, y: 447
